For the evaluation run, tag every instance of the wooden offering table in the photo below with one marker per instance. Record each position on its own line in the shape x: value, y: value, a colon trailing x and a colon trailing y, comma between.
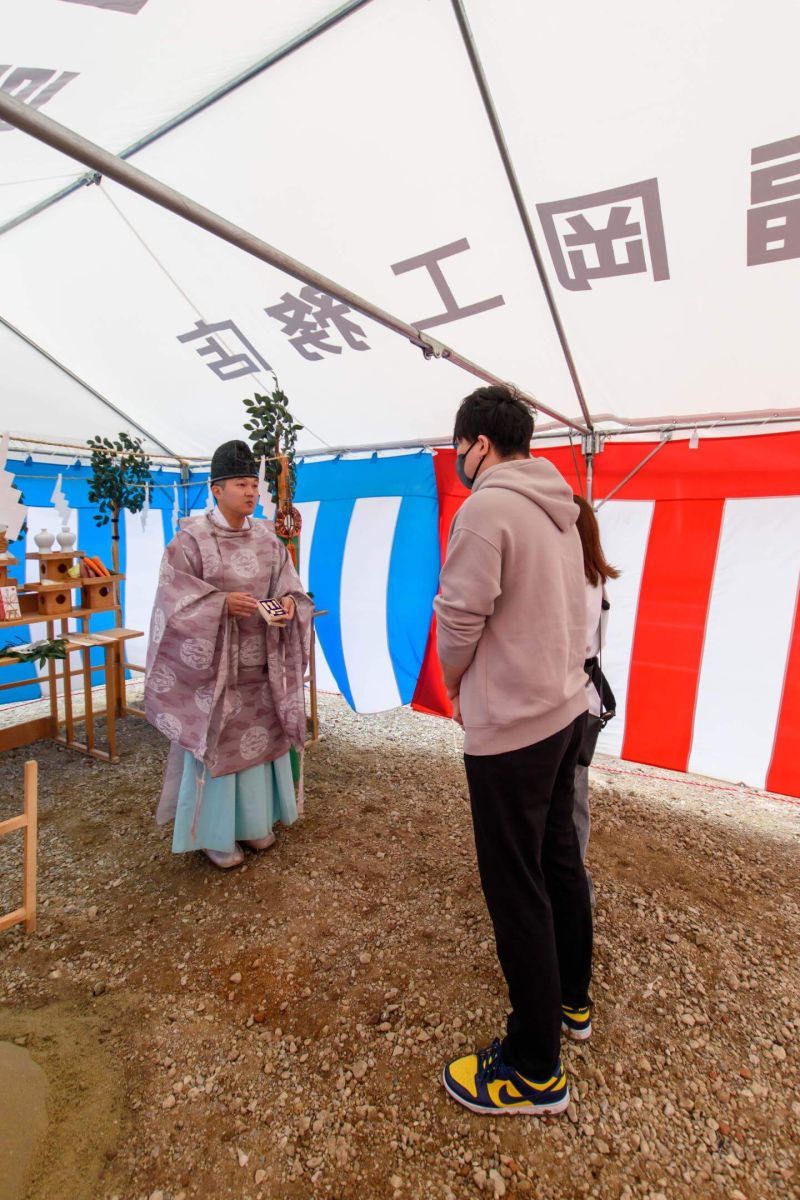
x: 64, y: 575
x: 62, y: 730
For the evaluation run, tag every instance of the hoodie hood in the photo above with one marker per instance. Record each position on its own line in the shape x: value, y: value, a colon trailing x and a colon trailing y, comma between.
x: 539, y: 481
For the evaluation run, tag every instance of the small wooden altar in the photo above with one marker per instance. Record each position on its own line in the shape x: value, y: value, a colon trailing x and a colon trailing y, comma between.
x: 50, y: 601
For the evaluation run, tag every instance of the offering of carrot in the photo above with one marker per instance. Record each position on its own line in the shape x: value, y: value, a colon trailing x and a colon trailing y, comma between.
x: 95, y: 567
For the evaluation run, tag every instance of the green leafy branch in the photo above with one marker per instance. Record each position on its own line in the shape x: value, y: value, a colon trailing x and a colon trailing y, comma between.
x: 38, y: 652
x: 120, y: 475
x: 273, y: 431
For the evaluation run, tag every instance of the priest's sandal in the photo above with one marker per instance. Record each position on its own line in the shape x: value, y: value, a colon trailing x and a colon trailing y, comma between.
x: 577, y: 1022
x: 226, y: 860
x: 485, y: 1083
x: 259, y: 843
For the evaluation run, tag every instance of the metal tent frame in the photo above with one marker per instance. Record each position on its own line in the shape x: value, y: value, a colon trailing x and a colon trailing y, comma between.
x: 593, y: 430
x: 110, y: 166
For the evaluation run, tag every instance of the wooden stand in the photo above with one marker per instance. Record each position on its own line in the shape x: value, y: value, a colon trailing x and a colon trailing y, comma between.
x: 27, y: 822
x: 55, y: 566
x: 53, y: 599
x: 52, y: 595
x: 99, y: 595
x: 7, y: 560
x: 111, y: 642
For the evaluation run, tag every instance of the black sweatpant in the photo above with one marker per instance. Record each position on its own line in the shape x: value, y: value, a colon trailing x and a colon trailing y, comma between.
x: 535, y: 888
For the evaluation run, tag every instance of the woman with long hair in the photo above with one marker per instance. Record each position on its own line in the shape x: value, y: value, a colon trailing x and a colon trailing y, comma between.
x: 597, y: 571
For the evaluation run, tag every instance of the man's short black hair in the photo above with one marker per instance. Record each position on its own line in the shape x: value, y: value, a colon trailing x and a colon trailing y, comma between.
x: 500, y: 416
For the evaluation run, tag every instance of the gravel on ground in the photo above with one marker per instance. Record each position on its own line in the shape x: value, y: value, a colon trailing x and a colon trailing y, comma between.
x: 278, y: 1032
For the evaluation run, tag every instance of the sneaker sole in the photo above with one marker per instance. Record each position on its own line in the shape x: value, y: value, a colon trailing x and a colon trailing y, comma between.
x: 522, y: 1110
x: 577, y: 1035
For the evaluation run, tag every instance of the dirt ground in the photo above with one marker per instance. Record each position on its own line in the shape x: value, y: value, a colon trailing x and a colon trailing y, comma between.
x: 278, y: 1033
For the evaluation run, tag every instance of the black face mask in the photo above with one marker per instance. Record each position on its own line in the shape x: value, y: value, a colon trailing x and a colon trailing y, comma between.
x: 460, y: 471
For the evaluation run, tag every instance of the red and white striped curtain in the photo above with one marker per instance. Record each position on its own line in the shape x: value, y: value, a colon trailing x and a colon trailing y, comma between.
x: 703, y: 646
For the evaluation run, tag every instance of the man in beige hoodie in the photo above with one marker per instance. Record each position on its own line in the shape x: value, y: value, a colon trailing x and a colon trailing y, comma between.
x: 511, y: 621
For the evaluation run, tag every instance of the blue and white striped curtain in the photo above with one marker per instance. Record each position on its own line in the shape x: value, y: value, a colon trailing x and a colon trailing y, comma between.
x: 369, y: 553
x: 370, y: 556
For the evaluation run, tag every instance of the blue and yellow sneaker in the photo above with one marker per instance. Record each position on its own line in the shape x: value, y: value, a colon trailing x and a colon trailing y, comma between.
x: 485, y: 1083
x: 577, y: 1022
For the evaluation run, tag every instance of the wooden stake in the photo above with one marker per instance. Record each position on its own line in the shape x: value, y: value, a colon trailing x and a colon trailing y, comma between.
x: 30, y: 810
x: 119, y: 660
x: 112, y: 652
x: 88, y: 699
x: 66, y: 683
x: 52, y: 685
x: 312, y: 683
x: 283, y: 481
x: 27, y: 822
x: 284, y: 502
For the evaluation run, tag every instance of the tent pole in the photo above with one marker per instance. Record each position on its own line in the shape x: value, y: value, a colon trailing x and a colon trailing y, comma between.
x: 680, y: 424
x: 551, y: 435
x: 198, y: 462
x: 707, y: 420
x: 519, y: 199
x: 199, y: 106
x: 667, y: 437
x: 44, y: 129
x: 86, y: 386
x: 591, y: 446
x: 185, y: 488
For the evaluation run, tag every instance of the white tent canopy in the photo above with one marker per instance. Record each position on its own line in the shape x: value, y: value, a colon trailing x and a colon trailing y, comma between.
x: 367, y: 147
x: 600, y: 205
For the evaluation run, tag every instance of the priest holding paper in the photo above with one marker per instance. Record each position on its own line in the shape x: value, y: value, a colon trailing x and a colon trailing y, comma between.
x: 225, y: 670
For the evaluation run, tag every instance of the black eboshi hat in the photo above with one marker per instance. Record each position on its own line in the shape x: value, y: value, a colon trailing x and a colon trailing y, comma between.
x: 233, y: 460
